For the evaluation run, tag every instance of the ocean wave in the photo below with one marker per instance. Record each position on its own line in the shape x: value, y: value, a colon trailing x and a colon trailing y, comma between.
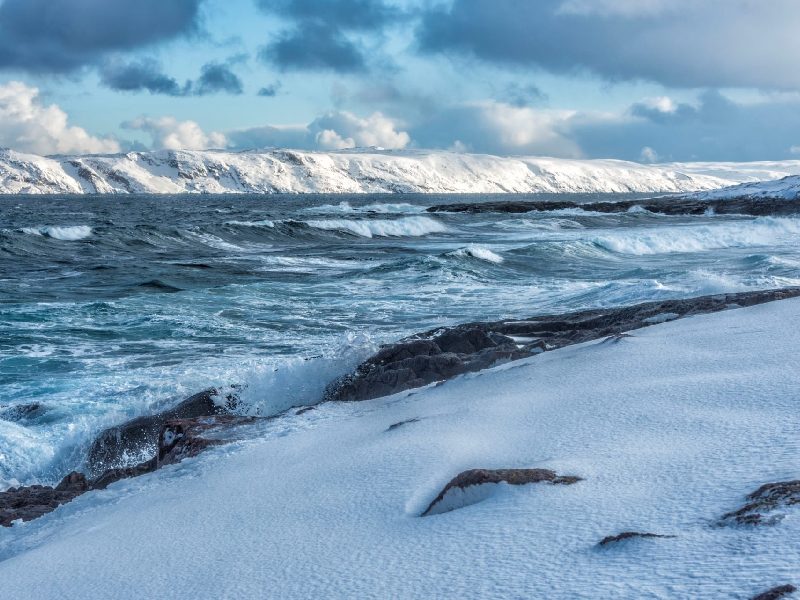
x: 478, y: 252
x: 405, y: 227
x: 65, y: 233
x: 379, y: 208
x: 759, y: 232
x: 263, y: 223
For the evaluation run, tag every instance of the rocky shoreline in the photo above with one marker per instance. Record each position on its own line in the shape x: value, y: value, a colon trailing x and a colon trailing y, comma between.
x: 208, y: 419
x: 670, y: 206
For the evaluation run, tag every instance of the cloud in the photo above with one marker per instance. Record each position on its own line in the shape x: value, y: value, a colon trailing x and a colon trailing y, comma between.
x: 680, y: 43
x: 520, y: 95
x: 218, y: 77
x: 63, y: 35
x: 170, y: 134
x: 29, y: 126
x: 320, y: 36
x: 313, y: 46
x: 270, y: 91
x: 141, y: 75
x: 498, y: 128
x: 335, y: 130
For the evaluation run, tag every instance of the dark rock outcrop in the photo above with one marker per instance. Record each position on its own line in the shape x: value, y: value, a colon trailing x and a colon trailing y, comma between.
x: 776, y: 593
x: 663, y: 206
x: 399, y: 424
x: 628, y: 535
x: 762, y: 504
x: 446, y: 352
x: 139, y: 436
x: 177, y: 439
x: 28, y: 503
x: 477, y: 477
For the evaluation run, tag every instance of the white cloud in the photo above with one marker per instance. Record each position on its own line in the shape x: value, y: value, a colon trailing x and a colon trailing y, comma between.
x: 29, y: 126
x: 342, y: 129
x: 336, y: 130
x: 170, y: 134
x: 648, y: 155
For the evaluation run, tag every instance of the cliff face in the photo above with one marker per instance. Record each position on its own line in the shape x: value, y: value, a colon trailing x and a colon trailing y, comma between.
x: 357, y: 171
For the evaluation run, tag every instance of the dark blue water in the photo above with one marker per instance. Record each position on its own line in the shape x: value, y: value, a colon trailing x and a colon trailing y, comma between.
x: 110, y: 306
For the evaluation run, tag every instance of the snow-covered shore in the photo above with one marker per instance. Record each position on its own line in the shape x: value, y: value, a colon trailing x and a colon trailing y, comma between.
x: 669, y: 430
x: 361, y: 171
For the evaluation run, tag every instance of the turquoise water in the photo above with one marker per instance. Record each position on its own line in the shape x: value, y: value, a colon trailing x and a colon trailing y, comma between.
x: 112, y: 306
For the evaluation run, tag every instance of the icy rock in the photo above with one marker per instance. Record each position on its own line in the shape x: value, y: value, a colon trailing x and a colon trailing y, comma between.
x: 31, y: 502
x: 628, y: 535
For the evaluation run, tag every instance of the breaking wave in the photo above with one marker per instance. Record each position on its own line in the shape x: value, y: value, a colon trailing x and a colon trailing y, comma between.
x: 71, y: 233
x: 760, y: 232
x: 368, y: 228
x: 478, y: 252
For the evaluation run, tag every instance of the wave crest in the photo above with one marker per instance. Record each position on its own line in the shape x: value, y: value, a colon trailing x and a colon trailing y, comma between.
x: 67, y: 233
x: 368, y: 228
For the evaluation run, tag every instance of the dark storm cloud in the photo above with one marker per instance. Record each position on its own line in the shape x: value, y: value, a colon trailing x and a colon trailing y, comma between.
x: 314, y: 46
x: 64, y: 35
x: 319, y: 38
x: 339, y: 14
x: 218, y: 77
x: 142, y: 75
x: 682, y: 43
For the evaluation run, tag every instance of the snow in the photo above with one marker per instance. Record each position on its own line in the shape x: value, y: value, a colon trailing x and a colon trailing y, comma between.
x: 787, y: 188
x: 361, y: 171
x: 669, y: 429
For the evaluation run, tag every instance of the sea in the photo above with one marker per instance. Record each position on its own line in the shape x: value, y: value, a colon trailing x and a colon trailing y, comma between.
x: 115, y: 306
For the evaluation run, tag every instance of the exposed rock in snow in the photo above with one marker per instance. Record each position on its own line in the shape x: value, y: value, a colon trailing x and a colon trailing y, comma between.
x: 475, y: 485
x: 630, y: 535
x: 776, y: 593
x: 763, y: 504
x: 359, y: 171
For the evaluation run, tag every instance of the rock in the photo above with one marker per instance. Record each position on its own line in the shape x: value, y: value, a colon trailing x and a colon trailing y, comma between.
x: 776, y: 593
x: 394, y: 426
x: 627, y: 535
x: 444, y: 353
x: 115, y: 446
x: 177, y: 439
x: 22, y: 413
x: 31, y: 502
x: 762, y: 504
x: 664, y: 206
x: 480, y: 477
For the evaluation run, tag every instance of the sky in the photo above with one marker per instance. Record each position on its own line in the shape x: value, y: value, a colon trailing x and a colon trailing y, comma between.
x: 642, y: 80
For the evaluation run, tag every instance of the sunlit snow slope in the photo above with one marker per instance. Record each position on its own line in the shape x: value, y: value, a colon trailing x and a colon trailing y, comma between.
x: 360, y: 171
x: 669, y: 429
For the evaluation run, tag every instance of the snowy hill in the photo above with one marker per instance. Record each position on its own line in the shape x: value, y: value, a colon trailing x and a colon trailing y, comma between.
x: 359, y: 171
x: 668, y: 429
x: 787, y: 188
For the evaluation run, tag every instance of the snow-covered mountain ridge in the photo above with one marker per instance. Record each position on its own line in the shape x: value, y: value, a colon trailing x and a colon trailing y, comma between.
x: 361, y: 171
x: 787, y: 188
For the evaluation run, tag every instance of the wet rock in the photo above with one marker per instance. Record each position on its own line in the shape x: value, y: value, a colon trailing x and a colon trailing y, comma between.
x: 444, y: 353
x: 480, y: 477
x: 116, y: 446
x: 31, y: 502
x: 23, y: 413
x: 627, y: 535
x: 776, y: 593
x: 177, y: 439
x: 762, y: 505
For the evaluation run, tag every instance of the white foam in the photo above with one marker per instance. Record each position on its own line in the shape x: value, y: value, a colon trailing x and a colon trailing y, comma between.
x: 66, y: 233
x: 404, y: 227
x: 379, y: 207
x: 478, y: 252
x: 263, y: 223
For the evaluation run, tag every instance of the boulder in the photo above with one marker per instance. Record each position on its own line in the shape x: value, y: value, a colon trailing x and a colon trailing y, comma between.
x: 776, y: 593
x: 762, y: 506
